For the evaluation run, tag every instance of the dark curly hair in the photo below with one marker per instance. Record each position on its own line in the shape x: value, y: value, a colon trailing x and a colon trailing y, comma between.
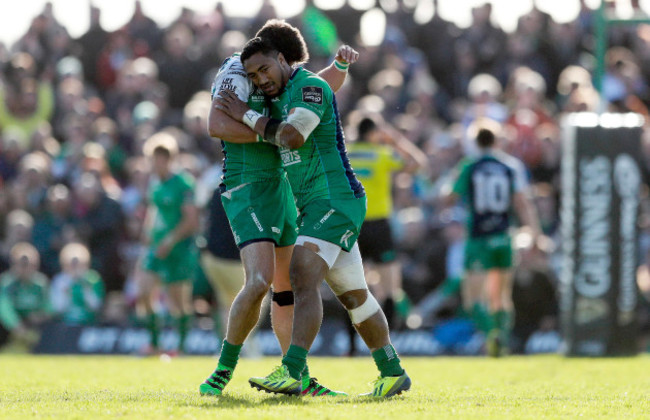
x: 287, y: 39
x: 257, y: 45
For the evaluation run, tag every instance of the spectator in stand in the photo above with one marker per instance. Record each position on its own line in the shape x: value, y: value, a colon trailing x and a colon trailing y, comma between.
x: 53, y: 228
x: 529, y: 47
x: 485, y: 92
x: 19, y: 225
x: 178, y: 68
x: 105, y: 133
x: 67, y: 165
x: 94, y: 162
x: 487, y: 42
x: 623, y: 86
x: 122, y: 98
x: 194, y: 122
x: 70, y: 99
x: 528, y: 119
x: 12, y: 148
x: 576, y: 93
x: 24, y: 297
x: 77, y: 292
x: 91, y: 44
x: 30, y: 187
x: 100, y: 224
x: 133, y: 199
x: 44, y: 142
x: 144, y: 31
x: 25, y: 101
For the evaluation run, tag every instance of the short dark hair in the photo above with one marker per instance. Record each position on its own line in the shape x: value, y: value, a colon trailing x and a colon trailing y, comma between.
x: 257, y: 45
x: 287, y: 39
x: 366, y: 125
x: 485, y: 138
x: 161, y: 150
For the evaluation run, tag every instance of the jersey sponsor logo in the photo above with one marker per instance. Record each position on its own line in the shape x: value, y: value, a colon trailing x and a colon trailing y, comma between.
x: 290, y: 157
x: 312, y: 94
x: 346, y: 237
x: 255, y: 219
x: 327, y: 215
x: 236, y: 72
x: 275, y: 230
x: 227, y: 84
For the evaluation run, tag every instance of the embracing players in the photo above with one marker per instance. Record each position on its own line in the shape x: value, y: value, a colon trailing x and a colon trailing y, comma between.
x: 305, y: 124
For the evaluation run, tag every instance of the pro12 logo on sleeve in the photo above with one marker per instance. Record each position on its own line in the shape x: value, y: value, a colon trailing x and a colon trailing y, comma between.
x: 312, y: 94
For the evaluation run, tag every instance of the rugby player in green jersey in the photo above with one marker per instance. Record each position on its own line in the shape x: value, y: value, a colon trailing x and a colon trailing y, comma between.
x: 171, y: 222
x: 260, y: 206
x: 305, y: 124
x: 491, y: 185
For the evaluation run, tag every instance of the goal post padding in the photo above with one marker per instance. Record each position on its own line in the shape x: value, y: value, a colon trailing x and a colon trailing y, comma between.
x: 600, y: 192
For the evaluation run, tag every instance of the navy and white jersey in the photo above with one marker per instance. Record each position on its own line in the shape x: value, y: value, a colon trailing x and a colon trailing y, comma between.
x: 487, y: 184
x: 245, y: 162
x: 232, y: 76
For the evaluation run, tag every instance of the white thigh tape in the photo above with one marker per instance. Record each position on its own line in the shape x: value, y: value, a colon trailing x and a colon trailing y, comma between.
x: 344, y: 279
x: 328, y: 251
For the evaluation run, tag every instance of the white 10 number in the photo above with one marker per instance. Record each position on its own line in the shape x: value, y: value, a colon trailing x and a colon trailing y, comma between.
x: 491, y: 192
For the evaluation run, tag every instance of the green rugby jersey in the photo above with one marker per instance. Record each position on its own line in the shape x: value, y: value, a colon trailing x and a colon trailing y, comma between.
x: 169, y: 196
x: 79, y: 299
x: 320, y: 168
x: 250, y: 162
x: 486, y: 184
x: 19, y: 299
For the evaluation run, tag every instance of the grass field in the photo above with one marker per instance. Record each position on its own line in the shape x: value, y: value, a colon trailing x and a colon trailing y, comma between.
x: 459, y: 388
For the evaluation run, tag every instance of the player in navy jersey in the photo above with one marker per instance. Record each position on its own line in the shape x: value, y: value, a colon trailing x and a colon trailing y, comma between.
x: 491, y: 185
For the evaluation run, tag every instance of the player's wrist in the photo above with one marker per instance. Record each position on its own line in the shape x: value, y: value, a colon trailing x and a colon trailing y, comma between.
x: 341, y: 65
x: 250, y: 118
x: 273, y: 132
x: 170, y: 240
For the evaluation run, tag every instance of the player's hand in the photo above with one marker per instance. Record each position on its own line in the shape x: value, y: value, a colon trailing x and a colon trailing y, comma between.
x: 347, y: 54
x: 164, y: 249
x: 229, y: 103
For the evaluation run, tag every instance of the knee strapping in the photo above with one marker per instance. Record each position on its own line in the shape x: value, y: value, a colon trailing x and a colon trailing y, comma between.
x: 365, y: 311
x: 283, y: 298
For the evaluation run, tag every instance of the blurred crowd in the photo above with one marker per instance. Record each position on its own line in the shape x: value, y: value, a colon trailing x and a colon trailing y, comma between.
x: 74, y: 114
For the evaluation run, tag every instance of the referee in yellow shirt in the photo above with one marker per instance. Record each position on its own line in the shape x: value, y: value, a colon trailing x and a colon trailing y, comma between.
x: 378, y: 153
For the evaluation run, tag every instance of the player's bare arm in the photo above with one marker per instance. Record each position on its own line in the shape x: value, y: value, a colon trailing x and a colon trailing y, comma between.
x: 222, y: 126
x: 414, y: 158
x: 187, y: 227
x: 281, y: 133
x: 336, y: 73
